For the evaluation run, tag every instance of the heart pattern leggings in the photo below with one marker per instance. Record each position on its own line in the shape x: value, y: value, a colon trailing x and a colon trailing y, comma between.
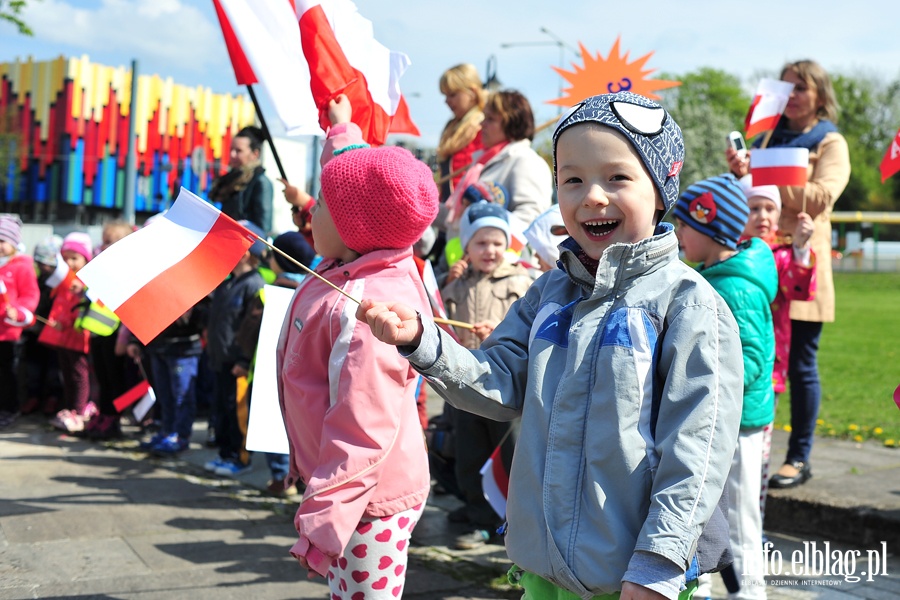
x: 374, y: 564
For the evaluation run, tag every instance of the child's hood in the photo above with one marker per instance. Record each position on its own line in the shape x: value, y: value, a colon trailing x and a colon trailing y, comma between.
x: 753, y: 262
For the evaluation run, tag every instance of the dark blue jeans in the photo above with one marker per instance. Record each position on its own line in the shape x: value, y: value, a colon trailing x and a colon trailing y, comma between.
x: 175, y: 381
x: 806, y: 391
x: 228, y: 433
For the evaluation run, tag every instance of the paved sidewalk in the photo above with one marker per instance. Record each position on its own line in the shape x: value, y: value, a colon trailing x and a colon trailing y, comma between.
x: 87, y: 520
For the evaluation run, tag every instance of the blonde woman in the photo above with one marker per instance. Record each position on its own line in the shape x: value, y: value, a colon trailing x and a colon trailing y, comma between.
x: 461, y: 86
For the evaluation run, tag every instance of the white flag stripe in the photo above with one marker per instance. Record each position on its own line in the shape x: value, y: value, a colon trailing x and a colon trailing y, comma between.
x: 195, y: 218
x: 270, y: 38
x: 775, y: 87
x: 779, y: 157
x: 768, y: 106
x: 355, y: 34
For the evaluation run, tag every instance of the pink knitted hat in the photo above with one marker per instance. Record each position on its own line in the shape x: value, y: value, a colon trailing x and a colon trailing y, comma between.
x: 78, y: 242
x: 379, y: 198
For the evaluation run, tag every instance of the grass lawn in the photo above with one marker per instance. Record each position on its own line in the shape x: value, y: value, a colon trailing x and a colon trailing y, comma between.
x: 859, y: 361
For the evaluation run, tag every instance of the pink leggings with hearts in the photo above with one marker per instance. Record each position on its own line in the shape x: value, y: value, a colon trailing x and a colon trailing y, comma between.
x: 374, y: 563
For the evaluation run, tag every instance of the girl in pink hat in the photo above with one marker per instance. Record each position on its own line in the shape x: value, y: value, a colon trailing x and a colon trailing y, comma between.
x: 72, y: 344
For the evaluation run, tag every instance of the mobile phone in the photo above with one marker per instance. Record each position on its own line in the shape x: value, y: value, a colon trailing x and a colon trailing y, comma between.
x: 736, y: 140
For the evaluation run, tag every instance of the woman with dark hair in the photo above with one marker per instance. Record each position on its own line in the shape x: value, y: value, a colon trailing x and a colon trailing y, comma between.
x: 245, y: 192
x: 808, y: 122
x: 506, y: 134
x: 509, y: 161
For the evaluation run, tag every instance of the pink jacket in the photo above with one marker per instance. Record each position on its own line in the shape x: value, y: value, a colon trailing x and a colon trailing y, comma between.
x: 349, y: 405
x: 795, y: 282
x: 22, y: 293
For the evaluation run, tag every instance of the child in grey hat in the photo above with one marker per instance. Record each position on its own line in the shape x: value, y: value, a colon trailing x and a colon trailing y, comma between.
x: 624, y: 365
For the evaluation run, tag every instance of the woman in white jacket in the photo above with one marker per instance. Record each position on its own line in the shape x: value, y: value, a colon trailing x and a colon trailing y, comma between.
x: 506, y: 134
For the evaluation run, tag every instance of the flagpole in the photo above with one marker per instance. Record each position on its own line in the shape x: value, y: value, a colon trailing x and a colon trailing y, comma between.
x: 453, y: 323
x: 265, y: 128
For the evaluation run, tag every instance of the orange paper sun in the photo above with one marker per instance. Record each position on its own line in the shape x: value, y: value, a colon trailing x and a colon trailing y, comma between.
x: 609, y: 75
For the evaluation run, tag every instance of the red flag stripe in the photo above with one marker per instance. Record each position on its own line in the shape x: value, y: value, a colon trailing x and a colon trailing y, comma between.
x: 131, y: 396
x: 500, y: 474
x: 762, y: 125
x: 784, y: 175
x: 243, y: 71
x: 890, y: 164
x: 167, y: 296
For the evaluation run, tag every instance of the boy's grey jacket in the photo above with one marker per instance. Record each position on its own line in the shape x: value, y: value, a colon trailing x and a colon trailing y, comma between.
x: 629, y: 387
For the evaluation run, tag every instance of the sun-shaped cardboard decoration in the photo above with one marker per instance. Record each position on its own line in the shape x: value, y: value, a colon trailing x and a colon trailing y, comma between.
x: 609, y: 75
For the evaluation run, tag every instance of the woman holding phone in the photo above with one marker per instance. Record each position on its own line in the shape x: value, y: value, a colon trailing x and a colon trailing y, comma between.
x: 808, y: 122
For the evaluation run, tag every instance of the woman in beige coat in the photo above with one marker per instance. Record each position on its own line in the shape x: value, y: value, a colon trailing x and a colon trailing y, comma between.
x: 808, y: 122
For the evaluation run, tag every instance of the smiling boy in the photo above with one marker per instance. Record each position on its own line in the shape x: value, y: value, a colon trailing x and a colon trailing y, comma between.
x: 624, y: 365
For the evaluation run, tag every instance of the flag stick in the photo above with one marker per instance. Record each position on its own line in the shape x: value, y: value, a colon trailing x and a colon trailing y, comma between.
x: 307, y: 269
x: 265, y: 128
x: 453, y: 323
x: 43, y: 320
x: 766, y: 139
x: 336, y: 288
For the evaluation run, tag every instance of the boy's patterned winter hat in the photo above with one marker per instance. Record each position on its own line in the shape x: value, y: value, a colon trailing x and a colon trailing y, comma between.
x: 716, y: 207
x: 646, y: 124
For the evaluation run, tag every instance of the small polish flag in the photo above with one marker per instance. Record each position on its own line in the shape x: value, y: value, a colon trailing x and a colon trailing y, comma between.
x: 768, y: 104
x: 779, y: 166
x: 131, y: 396
x: 153, y: 276
x: 495, y: 482
x: 890, y: 164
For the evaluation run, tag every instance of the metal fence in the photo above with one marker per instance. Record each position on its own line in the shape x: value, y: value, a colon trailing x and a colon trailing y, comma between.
x: 855, y: 251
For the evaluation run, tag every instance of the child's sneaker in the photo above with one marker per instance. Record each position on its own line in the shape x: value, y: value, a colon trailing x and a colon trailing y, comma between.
x: 103, y: 427
x: 278, y: 489
x: 153, y: 441
x: 68, y: 421
x: 232, y: 468
x: 214, y: 464
x: 170, y: 445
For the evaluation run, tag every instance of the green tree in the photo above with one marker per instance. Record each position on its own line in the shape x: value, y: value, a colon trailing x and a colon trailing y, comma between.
x: 869, y: 118
x: 707, y: 105
x: 10, y: 11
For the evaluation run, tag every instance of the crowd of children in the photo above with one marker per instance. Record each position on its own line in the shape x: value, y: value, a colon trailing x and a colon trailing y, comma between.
x: 643, y: 386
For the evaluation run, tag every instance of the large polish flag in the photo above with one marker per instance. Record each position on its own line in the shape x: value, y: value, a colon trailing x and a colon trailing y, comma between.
x: 768, y: 104
x: 779, y: 166
x: 153, y: 276
x: 335, y: 53
x: 890, y: 164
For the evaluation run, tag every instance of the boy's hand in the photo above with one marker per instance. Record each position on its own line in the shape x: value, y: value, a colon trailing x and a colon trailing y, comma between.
x: 457, y: 270
x: 339, y: 110
x: 633, y: 591
x: 393, y: 323
x: 804, y: 230
x: 738, y: 166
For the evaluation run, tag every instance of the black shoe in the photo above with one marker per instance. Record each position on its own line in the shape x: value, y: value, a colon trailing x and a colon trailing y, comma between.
x: 460, y: 515
x: 804, y: 473
x: 476, y: 539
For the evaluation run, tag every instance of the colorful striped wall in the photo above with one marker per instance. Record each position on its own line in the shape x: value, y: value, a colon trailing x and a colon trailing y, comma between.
x: 69, y: 123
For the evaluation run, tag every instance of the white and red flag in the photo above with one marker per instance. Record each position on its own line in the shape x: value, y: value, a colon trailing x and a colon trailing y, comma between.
x: 779, y: 166
x: 153, y: 276
x: 890, y: 164
x: 335, y: 53
x: 426, y: 272
x: 767, y: 106
x: 495, y: 482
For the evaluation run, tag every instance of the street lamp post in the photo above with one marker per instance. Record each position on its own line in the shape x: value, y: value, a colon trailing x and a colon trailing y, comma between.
x: 558, y: 42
